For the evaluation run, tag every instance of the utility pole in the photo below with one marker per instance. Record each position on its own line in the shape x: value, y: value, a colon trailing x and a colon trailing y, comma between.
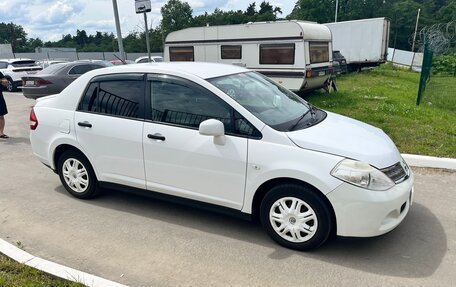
x: 119, y: 33
x: 416, y: 28
x: 414, y: 38
x: 147, y: 37
x: 144, y: 6
x: 337, y: 8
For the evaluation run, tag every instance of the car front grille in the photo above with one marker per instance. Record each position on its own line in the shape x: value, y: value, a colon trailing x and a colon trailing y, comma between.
x: 395, y: 172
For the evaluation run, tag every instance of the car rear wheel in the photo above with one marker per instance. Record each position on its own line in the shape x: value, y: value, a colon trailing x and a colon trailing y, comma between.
x: 77, y: 175
x: 11, y: 87
x: 296, y: 217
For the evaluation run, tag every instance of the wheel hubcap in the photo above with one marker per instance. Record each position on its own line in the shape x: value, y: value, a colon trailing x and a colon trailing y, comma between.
x: 75, y: 175
x: 293, y: 219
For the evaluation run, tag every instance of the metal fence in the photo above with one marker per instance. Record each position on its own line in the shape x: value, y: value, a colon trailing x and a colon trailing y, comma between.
x: 73, y: 56
x: 405, y: 58
x: 437, y: 85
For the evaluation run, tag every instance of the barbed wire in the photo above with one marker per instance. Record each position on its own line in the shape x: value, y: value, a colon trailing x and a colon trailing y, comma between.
x: 440, y: 37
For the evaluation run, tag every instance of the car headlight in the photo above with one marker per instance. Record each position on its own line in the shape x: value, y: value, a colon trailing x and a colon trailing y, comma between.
x: 405, y: 167
x: 361, y: 174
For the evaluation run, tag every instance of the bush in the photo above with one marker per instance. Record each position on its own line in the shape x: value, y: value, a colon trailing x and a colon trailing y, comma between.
x: 444, y: 64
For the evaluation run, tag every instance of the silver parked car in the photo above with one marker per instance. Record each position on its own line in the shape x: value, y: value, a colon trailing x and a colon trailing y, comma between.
x: 55, y: 78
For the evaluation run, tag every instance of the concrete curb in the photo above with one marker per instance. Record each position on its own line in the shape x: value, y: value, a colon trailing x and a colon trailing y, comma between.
x: 430, y: 161
x: 55, y: 269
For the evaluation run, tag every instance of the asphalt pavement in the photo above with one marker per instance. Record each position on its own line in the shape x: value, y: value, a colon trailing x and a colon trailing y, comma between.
x: 139, y: 241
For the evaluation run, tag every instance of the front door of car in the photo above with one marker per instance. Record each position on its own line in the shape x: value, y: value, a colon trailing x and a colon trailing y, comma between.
x: 181, y: 162
x: 109, y: 125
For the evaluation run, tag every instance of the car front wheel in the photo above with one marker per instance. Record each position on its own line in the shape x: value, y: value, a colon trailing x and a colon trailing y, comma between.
x: 296, y: 217
x: 77, y: 175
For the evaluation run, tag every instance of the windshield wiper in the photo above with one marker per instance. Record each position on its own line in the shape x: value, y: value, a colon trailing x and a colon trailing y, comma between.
x: 312, y: 110
x: 299, y: 120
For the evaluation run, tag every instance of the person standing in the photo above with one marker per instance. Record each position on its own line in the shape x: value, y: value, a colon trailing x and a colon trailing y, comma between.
x: 3, y: 109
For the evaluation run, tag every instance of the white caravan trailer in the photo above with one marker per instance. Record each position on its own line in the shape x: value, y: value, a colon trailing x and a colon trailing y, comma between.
x: 363, y: 42
x: 296, y: 54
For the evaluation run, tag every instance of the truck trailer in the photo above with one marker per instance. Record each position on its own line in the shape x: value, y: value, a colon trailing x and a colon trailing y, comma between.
x: 364, y: 43
x: 295, y: 54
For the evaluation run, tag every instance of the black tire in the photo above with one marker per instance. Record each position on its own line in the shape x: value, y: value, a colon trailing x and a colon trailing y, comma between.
x: 323, y: 224
x: 88, y: 190
x: 11, y: 87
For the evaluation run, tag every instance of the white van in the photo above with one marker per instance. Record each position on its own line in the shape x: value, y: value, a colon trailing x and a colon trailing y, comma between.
x: 295, y: 54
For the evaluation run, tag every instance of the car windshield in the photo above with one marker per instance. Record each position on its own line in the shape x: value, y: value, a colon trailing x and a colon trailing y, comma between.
x: 268, y: 101
x: 158, y: 59
x: 337, y: 55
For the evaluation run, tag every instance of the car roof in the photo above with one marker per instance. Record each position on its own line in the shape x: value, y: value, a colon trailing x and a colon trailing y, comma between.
x: 145, y: 57
x: 199, y: 69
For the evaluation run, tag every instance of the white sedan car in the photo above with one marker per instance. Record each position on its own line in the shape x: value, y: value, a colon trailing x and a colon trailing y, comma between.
x: 226, y: 137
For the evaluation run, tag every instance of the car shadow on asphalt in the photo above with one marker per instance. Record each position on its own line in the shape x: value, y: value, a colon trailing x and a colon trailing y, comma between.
x: 415, y: 249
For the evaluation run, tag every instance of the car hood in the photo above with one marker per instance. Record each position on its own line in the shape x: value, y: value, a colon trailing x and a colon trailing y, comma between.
x: 349, y: 138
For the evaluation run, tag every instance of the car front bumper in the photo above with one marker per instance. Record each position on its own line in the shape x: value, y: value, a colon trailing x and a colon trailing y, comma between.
x: 366, y: 213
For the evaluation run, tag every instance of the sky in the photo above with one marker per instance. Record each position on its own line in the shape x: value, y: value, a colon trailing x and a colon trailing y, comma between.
x: 50, y: 19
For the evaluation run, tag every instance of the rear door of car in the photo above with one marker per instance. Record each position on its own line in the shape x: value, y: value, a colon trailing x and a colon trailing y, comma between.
x: 109, y: 125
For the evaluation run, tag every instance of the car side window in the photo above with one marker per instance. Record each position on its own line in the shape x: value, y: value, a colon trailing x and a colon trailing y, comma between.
x: 94, y: 67
x: 122, y: 98
x: 80, y: 69
x: 181, y: 102
x: 244, y: 127
x: 3, y: 65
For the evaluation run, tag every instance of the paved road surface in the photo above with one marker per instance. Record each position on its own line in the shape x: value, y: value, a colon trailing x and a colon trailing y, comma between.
x: 144, y: 242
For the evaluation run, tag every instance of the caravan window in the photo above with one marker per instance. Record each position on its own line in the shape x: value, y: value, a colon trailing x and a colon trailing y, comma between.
x: 231, y: 51
x: 319, y: 52
x: 277, y: 54
x: 186, y: 54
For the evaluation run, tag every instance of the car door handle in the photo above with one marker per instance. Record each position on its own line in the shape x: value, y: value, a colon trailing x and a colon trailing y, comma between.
x: 156, y: 137
x: 85, y: 124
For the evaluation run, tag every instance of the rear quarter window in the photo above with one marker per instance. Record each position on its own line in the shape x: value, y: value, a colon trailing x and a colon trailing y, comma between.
x: 80, y: 69
x: 122, y: 97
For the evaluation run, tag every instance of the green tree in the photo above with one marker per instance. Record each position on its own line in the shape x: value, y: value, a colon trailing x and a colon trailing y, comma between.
x: 81, y: 38
x: 265, y: 7
x: 176, y: 15
x: 403, y: 19
x: 447, y: 12
x: 33, y: 43
x: 251, y: 10
x: 13, y: 34
x: 320, y: 11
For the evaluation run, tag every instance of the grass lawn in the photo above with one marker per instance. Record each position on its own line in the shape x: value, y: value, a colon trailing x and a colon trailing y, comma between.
x: 386, y: 98
x: 13, y: 274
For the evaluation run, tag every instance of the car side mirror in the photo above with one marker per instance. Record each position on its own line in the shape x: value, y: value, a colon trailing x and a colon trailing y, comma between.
x: 213, y: 128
